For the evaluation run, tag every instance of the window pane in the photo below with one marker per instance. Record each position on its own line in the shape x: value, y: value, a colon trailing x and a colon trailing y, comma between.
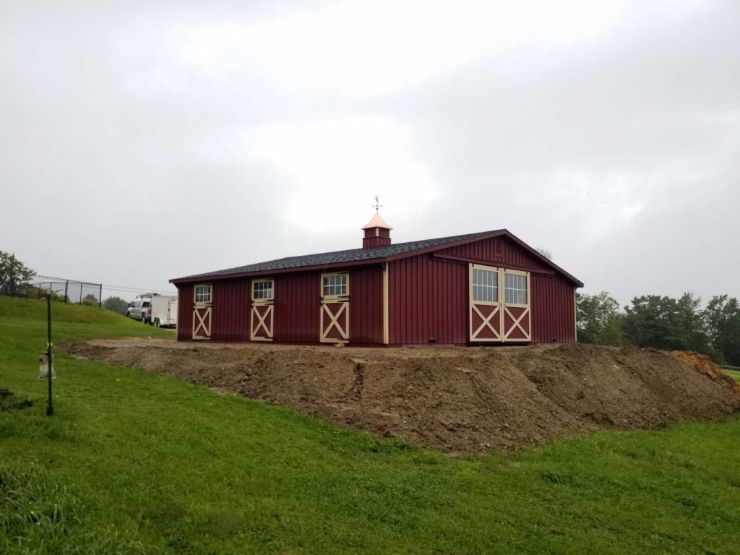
x: 335, y: 285
x: 516, y: 289
x: 203, y: 294
x: 485, y: 285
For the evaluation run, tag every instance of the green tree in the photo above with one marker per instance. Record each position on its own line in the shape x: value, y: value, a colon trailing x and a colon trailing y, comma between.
x: 599, y: 319
x: 116, y: 304
x: 722, y: 316
x: 90, y: 300
x: 14, y: 274
x: 666, y: 323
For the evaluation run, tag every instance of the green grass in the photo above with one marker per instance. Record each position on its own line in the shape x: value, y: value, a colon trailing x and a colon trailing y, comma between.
x: 734, y: 374
x: 137, y: 462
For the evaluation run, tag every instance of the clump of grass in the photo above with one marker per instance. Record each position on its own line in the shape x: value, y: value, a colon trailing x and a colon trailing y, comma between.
x: 40, y: 515
x: 9, y: 401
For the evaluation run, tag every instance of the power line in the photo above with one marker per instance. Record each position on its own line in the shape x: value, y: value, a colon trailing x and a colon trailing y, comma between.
x: 134, y: 289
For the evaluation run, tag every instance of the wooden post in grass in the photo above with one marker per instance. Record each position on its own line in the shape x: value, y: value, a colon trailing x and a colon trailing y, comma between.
x: 50, y: 406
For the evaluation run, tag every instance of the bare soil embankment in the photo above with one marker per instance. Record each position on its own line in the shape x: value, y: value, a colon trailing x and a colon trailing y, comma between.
x: 455, y: 399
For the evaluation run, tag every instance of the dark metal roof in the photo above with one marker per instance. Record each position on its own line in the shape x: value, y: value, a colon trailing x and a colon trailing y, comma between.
x: 336, y: 257
x: 360, y: 256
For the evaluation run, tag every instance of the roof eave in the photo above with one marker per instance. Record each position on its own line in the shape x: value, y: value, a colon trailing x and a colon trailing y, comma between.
x: 259, y: 273
x: 383, y: 259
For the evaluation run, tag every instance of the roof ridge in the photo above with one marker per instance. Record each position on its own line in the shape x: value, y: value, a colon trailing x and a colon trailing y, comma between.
x: 370, y: 254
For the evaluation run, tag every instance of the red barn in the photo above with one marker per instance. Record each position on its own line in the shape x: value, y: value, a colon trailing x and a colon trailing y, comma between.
x: 487, y: 288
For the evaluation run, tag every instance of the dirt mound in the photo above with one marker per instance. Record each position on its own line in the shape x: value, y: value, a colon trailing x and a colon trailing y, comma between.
x: 705, y: 365
x: 456, y: 399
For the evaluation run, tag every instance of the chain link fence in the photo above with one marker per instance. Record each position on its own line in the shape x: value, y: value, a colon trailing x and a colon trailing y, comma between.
x: 61, y: 289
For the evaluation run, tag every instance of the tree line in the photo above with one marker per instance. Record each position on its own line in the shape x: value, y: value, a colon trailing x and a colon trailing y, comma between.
x: 663, y: 322
x: 14, y: 274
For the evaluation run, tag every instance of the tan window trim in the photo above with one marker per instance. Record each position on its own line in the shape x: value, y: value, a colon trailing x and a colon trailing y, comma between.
x: 196, y: 302
x: 334, y: 297
x: 272, y: 288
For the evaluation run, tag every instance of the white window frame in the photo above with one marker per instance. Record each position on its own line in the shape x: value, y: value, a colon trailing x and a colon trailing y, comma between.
x: 272, y: 290
x: 210, y: 294
x: 526, y: 282
x: 490, y: 269
x: 344, y: 276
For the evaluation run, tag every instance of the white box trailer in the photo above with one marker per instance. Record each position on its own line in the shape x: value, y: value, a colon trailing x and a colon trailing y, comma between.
x: 163, y: 311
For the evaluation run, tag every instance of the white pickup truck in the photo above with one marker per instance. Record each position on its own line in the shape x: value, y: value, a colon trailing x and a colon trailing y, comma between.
x: 157, y: 310
x: 141, y: 306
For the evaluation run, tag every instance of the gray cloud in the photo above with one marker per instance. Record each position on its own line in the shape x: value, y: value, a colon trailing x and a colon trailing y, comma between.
x: 147, y: 141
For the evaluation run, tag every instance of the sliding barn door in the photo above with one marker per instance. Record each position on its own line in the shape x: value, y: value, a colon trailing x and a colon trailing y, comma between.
x: 500, y: 308
x: 517, y: 312
x: 485, y: 308
x: 334, y: 316
x: 262, y: 315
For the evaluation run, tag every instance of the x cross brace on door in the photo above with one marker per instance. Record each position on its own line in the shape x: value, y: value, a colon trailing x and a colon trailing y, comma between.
x: 334, y: 323
x: 201, y: 323
x: 262, y: 322
x: 486, y: 322
x: 517, y: 323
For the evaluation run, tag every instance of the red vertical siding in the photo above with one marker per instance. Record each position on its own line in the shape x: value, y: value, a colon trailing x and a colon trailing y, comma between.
x: 230, y: 310
x: 429, y: 296
x: 296, y: 308
x: 184, y: 312
x: 500, y: 251
x: 366, y: 305
x: 553, y: 309
x: 428, y: 301
x: 298, y: 305
x: 297, y: 298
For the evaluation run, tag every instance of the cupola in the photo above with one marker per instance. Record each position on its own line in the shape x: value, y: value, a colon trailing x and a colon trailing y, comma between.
x: 377, y: 233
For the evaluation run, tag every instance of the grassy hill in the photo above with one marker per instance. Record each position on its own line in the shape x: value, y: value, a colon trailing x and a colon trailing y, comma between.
x: 137, y: 462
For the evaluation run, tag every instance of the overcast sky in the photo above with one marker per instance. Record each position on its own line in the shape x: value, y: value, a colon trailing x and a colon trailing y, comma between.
x: 141, y: 141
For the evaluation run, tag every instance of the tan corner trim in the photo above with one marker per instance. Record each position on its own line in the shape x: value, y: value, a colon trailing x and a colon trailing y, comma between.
x: 386, y: 311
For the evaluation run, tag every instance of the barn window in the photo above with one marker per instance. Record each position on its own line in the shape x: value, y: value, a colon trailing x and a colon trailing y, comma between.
x: 335, y: 285
x: 262, y: 290
x: 485, y: 285
x: 516, y: 288
x: 203, y: 294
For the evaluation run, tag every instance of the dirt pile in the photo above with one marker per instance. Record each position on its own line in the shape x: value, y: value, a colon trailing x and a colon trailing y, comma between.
x: 705, y: 365
x: 456, y: 399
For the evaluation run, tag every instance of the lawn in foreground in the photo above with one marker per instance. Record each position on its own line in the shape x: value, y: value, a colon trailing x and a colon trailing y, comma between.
x: 137, y: 462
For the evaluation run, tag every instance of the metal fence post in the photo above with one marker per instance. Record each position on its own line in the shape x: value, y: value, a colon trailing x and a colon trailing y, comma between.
x: 100, y: 296
x: 66, y: 290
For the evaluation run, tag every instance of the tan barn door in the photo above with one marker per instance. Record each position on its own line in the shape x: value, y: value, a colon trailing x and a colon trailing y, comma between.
x: 517, y: 314
x: 334, y: 316
x: 262, y: 314
x: 485, y: 307
x: 202, y: 311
